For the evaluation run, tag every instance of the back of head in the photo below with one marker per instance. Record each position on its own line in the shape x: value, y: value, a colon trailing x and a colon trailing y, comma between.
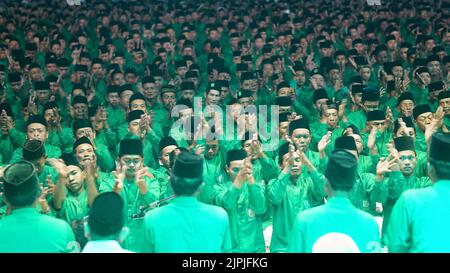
x: 187, y: 173
x: 341, y: 170
x: 21, y: 184
x: 439, y: 155
x: 106, y: 216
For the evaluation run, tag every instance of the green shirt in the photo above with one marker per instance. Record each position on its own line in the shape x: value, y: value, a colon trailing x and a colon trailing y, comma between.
x: 358, y: 119
x: 25, y: 230
x: 245, y: 208
x: 337, y: 215
x: 420, y: 220
x: 50, y: 150
x: 288, y: 199
x: 74, y: 207
x: 366, y: 192
x: 133, y: 200
x: 198, y: 228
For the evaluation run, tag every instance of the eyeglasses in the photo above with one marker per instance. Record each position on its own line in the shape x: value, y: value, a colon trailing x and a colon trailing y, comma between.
x: 128, y: 161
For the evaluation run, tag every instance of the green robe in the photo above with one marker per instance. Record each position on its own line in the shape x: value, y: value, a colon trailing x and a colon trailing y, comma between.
x: 366, y: 192
x: 420, y: 220
x: 74, y: 207
x: 199, y: 228
x: 288, y: 199
x: 115, y: 116
x: 245, y: 208
x: 337, y: 215
x: 358, y: 119
x: 133, y: 200
x: 397, y: 184
x: 26, y: 230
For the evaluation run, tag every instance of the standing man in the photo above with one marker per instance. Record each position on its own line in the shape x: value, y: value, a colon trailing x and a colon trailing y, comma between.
x: 199, y: 227
x: 24, y: 229
x: 420, y: 219
x: 338, y: 215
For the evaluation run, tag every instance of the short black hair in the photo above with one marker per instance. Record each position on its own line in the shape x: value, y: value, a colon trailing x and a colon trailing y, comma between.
x: 442, y: 169
x: 185, y: 186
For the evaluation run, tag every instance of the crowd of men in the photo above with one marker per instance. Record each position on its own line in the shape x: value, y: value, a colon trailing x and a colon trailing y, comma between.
x: 104, y: 98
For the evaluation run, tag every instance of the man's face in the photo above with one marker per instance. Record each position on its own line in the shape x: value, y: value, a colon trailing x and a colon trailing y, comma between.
x: 426, y: 78
x: 360, y: 48
x: 302, y: 138
x: 125, y: 98
x: 76, y: 178
x: 164, y: 156
x: 408, y: 162
x: 51, y: 68
x: 16, y: 86
x: 320, y: 104
x: 132, y: 163
x: 37, y: 131
x: 36, y: 74
x: 382, y: 57
x: 403, y: 53
x: 445, y: 104
x: 429, y: 44
x: 341, y: 61
x: 296, y: 168
x: 365, y: 73
x: 245, y: 102
x: 406, y: 108
x: 283, y: 129
x: 408, y: 131
x: 43, y: 96
x: 138, y: 104
x: 211, y: 149
x: 213, y: 97
x: 435, y: 68
x: 371, y: 105
x: 133, y: 126
x: 380, y: 125
x: 80, y: 111
x: 249, y: 149
x: 113, y: 99
x: 234, y: 168
x: 300, y: 77
x: 331, y: 116
x: 168, y: 100
x: 358, y: 142
x: 320, y: 81
x: 85, y: 154
x: 150, y: 90
x: 87, y: 132
x: 98, y: 71
x: 424, y: 120
x: 187, y: 94
x: 326, y: 52
x: 181, y: 71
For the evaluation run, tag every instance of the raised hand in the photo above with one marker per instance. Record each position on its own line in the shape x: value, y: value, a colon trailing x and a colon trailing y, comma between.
x: 386, y: 165
x: 323, y: 143
x: 372, y: 138
x: 59, y: 166
x: 140, y: 180
x: 119, y: 176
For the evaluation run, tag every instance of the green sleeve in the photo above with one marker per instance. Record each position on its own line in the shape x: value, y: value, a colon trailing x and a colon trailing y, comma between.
x: 318, y: 189
x: 105, y: 160
x: 17, y: 137
x: 154, y: 191
x: 399, y: 233
x: 227, y: 196
x: 378, y: 191
x: 111, y: 137
x: 17, y: 155
x: 66, y: 139
x: 257, y: 198
x: 106, y: 185
x: 395, y: 184
x: 269, y: 168
x: 276, y: 189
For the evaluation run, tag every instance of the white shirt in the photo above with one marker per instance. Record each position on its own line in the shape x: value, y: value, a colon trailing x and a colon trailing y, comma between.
x: 104, y: 246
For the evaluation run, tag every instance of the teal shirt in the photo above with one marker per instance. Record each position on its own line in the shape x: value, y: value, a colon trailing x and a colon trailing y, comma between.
x: 199, y: 228
x: 337, y: 215
x: 25, y: 230
x: 420, y: 220
x: 74, y: 207
x: 366, y: 192
x: 288, y: 199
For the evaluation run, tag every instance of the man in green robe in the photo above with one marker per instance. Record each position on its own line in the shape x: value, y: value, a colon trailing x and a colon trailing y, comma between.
x: 243, y: 197
x: 420, y: 219
x: 338, y: 215
x: 24, y: 224
x: 291, y: 192
x: 137, y: 190
x: 199, y: 227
